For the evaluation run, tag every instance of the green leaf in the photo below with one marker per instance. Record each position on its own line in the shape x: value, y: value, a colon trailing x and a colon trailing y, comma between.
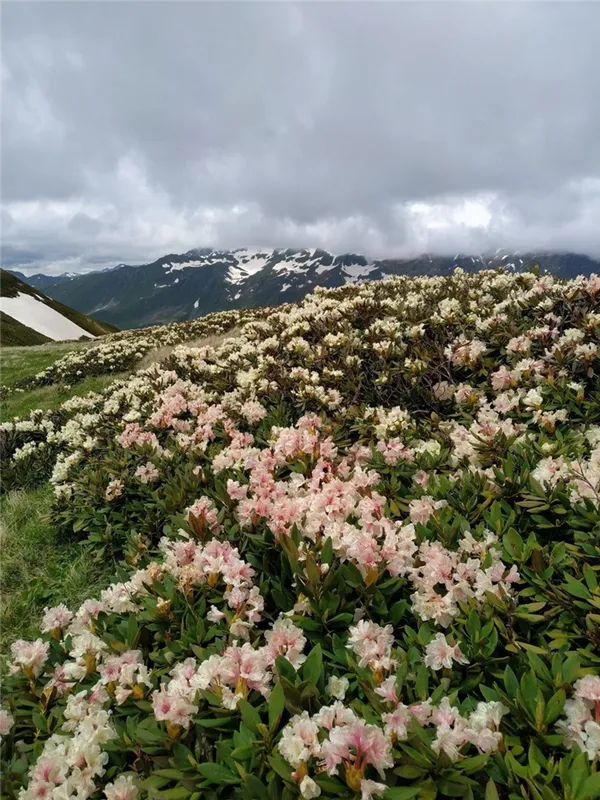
x: 276, y: 706
x: 401, y: 793
x: 285, y: 669
x: 327, y: 551
x: 555, y: 706
x: 250, y: 715
x: 591, y: 787
x: 511, y: 684
x: 571, y: 669
x: 255, y: 789
x: 491, y: 793
x: 313, y: 666
x: 213, y: 722
x: 244, y: 752
x: 215, y: 773
x: 422, y: 682
x: 578, y: 589
x: 178, y: 793
x: 590, y: 578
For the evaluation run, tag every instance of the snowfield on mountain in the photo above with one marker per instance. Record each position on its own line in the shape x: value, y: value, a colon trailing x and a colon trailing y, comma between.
x: 357, y: 548
x: 33, y: 312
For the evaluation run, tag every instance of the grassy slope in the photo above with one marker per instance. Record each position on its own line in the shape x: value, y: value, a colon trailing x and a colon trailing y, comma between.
x: 38, y: 568
x: 24, y: 362
x: 48, y: 398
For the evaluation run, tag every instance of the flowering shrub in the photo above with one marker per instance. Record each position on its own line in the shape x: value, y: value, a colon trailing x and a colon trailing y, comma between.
x: 359, y: 553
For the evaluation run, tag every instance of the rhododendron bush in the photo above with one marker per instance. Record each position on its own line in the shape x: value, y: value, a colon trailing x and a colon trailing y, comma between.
x: 358, y: 549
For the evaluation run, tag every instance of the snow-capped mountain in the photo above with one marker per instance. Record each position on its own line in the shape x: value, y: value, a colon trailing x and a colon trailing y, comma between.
x: 183, y: 286
x: 29, y: 317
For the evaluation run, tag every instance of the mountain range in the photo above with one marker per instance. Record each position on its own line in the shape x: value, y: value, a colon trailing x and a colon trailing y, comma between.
x: 28, y: 316
x: 183, y: 286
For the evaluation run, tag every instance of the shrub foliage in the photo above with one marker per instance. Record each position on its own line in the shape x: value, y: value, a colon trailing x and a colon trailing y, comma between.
x: 359, y: 549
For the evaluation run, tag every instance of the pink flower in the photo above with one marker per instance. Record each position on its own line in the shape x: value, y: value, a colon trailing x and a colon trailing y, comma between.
x: 285, y: 639
x: 588, y: 687
x: 421, y: 510
x: 247, y: 665
x: 439, y: 653
x: 372, y: 644
x: 172, y: 708
x: 55, y: 617
x: 205, y: 512
x: 397, y: 722
x: 147, y: 473
x: 214, y: 615
x: 29, y: 656
x: 358, y: 743
x: 370, y: 789
x: 299, y: 740
x: 448, y: 740
x: 114, y: 489
x: 387, y: 690
x: 501, y: 379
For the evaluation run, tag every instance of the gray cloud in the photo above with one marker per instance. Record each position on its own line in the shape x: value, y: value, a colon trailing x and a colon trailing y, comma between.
x: 134, y: 129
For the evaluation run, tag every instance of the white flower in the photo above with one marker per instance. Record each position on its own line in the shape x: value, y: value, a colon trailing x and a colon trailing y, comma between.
x: 6, y: 721
x: 308, y: 788
x: 122, y: 789
x: 337, y: 687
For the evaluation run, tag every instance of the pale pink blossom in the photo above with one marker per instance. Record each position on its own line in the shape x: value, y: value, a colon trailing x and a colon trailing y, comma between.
x: 439, y: 654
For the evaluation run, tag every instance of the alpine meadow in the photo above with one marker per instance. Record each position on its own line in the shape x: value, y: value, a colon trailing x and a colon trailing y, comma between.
x: 342, y: 548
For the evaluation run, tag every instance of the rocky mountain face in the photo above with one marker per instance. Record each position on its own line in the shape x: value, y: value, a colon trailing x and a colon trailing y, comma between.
x: 178, y: 287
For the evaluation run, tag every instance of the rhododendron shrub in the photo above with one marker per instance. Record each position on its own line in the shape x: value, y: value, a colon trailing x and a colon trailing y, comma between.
x: 358, y: 549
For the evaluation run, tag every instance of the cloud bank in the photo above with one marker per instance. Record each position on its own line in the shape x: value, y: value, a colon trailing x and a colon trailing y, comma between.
x: 131, y: 130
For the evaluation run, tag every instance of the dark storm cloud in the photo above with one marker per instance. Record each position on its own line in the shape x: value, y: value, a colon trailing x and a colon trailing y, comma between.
x: 132, y: 129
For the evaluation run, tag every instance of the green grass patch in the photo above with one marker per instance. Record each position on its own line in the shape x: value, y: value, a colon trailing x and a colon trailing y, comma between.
x: 17, y: 363
x: 40, y: 567
x: 49, y: 398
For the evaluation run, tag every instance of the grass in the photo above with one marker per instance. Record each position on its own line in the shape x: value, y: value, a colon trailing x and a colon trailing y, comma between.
x: 17, y: 363
x: 39, y: 568
x: 48, y: 398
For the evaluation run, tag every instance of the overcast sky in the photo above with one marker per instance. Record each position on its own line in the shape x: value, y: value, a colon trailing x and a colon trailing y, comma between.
x: 131, y: 130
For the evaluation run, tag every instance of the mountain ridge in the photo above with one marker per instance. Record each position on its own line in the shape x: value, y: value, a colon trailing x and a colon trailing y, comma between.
x: 181, y: 286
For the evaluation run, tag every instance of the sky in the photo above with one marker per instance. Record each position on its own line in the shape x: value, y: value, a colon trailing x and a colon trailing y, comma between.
x: 135, y: 129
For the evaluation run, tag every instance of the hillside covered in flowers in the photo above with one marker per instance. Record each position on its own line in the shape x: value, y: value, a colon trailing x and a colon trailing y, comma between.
x: 357, y: 553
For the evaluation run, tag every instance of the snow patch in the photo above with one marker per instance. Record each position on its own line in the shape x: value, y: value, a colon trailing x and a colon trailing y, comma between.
x: 236, y: 275
x: 353, y: 272
x: 285, y: 287
x: 34, y: 313
x: 324, y: 268
x: 174, y: 266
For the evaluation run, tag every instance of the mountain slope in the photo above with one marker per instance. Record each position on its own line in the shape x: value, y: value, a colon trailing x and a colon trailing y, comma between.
x: 29, y: 317
x: 178, y: 287
x: 39, y: 280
